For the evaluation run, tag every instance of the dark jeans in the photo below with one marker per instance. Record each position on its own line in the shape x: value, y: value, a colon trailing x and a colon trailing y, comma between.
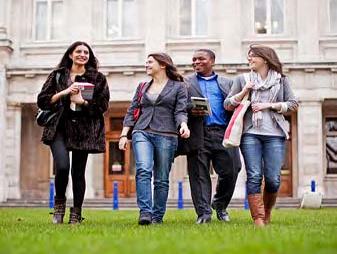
x: 226, y: 163
x: 264, y: 156
x: 62, y: 168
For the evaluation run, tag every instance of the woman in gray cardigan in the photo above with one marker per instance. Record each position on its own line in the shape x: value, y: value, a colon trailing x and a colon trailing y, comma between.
x: 264, y: 128
x: 155, y: 134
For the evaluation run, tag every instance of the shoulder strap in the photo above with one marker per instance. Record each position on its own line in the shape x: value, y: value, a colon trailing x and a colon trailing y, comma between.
x: 140, y: 91
x: 247, y: 79
x: 57, y: 78
x: 58, y: 75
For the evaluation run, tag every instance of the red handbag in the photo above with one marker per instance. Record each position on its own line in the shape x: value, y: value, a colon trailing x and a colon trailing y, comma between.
x: 137, y: 110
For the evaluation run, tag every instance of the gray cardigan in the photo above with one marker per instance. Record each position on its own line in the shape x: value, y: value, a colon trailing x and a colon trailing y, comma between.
x: 285, y: 94
x: 165, y: 114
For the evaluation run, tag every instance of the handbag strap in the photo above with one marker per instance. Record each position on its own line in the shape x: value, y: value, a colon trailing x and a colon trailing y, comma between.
x: 247, y: 79
x: 140, y: 92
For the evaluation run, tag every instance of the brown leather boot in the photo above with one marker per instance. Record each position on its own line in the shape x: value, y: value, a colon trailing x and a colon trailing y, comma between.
x: 75, y: 216
x: 59, y: 210
x: 256, y: 209
x: 269, y: 200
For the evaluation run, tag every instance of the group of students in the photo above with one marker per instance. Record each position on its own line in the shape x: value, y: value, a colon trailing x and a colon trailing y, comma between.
x: 168, y: 126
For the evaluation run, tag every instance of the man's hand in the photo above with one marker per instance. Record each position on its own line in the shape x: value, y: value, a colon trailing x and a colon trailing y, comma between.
x: 198, y: 112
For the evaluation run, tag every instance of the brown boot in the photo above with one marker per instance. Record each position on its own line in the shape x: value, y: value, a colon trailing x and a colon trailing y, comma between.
x: 59, y: 210
x: 75, y: 216
x: 269, y: 200
x: 256, y: 209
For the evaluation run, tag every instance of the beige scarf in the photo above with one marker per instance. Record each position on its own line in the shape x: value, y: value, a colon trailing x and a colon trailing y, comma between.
x: 271, y: 83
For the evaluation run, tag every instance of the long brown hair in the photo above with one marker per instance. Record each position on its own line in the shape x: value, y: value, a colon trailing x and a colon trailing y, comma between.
x: 269, y: 55
x: 171, y: 70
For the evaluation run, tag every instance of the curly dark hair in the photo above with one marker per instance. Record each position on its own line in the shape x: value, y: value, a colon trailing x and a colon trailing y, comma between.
x: 67, y: 62
x: 171, y: 70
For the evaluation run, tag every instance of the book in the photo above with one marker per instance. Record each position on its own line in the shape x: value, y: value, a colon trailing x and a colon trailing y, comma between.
x: 87, y: 90
x: 201, y: 103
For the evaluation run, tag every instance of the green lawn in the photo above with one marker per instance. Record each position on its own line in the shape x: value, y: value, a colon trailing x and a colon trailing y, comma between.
x: 292, y: 231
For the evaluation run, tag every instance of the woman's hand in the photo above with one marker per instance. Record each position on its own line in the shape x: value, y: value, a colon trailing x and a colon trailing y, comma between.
x: 260, y: 106
x: 122, y: 143
x: 77, y: 98
x: 184, y: 131
x: 73, y: 89
x: 248, y: 86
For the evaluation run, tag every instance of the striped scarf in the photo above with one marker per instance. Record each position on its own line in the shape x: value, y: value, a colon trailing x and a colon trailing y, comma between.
x: 271, y: 83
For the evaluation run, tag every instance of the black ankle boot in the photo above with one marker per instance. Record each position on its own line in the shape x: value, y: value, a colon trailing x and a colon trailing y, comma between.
x: 75, y: 215
x: 59, y: 210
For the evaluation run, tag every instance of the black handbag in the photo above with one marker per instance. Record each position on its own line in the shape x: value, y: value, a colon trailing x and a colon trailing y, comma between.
x: 43, y: 117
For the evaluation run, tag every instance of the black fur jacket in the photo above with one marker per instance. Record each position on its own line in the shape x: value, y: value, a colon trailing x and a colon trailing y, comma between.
x: 83, y: 130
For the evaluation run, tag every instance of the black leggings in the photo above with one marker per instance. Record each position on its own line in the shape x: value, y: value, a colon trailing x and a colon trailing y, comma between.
x: 62, y: 167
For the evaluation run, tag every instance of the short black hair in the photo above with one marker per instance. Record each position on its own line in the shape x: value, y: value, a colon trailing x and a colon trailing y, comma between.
x: 209, y: 52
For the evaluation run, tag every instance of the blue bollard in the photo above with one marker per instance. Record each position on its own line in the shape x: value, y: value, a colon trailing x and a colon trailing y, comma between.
x: 115, y: 196
x: 245, y: 203
x: 313, y: 186
x: 180, y: 195
x: 51, y: 193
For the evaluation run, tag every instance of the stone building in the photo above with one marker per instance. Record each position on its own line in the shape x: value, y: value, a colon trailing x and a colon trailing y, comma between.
x: 35, y: 33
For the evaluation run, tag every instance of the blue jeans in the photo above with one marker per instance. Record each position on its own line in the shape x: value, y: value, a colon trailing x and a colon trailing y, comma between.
x: 263, y: 156
x: 153, y: 152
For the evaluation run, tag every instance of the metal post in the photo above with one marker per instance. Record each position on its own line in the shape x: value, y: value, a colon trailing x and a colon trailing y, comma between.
x: 51, y: 193
x: 313, y: 186
x: 115, y: 196
x: 245, y: 203
x: 180, y: 195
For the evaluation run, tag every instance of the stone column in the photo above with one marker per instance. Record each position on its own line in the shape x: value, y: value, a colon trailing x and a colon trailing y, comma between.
x: 3, y: 93
x: 5, y: 51
x: 12, y: 150
x: 310, y: 143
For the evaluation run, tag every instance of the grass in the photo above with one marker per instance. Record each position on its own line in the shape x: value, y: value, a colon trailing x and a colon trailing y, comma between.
x: 292, y: 231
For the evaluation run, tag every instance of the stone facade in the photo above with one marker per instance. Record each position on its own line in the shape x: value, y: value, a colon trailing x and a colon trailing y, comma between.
x: 307, y: 47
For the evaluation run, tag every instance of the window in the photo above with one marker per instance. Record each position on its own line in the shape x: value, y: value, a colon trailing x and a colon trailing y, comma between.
x: 121, y: 18
x: 193, y: 15
x: 269, y: 16
x: 333, y: 16
x: 48, y: 20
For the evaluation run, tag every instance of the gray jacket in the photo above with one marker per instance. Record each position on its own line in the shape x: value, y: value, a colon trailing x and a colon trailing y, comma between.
x: 196, y: 123
x: 285, y: 94
x: 165, y: 114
